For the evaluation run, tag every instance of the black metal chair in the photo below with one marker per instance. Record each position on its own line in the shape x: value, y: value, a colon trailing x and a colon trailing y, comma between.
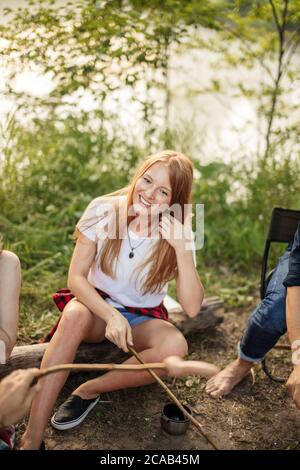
x: 282, y: 228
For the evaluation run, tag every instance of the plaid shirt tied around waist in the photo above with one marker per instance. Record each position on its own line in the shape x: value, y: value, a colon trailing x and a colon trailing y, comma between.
x: 63, y: 296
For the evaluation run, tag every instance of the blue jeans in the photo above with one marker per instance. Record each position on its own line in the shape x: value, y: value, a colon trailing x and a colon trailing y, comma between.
x: 268, y: 321
x: 133, y: 318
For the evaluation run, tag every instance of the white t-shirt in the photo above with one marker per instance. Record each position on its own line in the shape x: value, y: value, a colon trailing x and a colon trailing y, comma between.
x: 125, y: 288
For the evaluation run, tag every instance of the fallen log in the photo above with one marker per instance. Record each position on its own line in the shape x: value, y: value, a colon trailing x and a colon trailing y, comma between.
x: 208, y: 318
x: 31, y: 355
x: 23, y: 357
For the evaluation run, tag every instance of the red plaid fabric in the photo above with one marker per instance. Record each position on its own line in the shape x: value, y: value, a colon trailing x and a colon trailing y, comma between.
x: 7, y: 438
x: 63, y: 296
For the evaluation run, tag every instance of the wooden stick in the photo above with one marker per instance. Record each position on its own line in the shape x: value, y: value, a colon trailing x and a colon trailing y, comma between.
x: 282, y: 346
x: 141, y: 366
x: 91, y: 367
x: 172, y: 396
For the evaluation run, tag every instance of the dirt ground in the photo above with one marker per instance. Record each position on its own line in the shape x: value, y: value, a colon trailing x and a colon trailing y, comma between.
x: 257, y: 415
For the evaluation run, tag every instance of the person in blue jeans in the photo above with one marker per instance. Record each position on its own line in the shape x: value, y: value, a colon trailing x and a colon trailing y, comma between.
x: 277, y: 313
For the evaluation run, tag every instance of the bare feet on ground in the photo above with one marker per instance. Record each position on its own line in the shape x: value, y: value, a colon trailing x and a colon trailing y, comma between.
x: 222, y: 383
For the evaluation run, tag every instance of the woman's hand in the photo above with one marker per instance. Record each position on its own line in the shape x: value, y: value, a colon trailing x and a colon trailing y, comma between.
x: 178, y: 235
x: 16, y: 395
x: 118, y: 331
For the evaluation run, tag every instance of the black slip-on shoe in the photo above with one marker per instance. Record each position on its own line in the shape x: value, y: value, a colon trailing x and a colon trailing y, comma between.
x: 72, y: 412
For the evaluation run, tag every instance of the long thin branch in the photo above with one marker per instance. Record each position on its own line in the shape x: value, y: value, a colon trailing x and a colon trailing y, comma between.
x: 281, y: 32
x: 275, y: 15
x: 94, y: 367
x: 284, y: 19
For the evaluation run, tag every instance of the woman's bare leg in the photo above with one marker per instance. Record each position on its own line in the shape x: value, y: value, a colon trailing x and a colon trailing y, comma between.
x: 155, y: 340
x: 75, y: 326
x: 10, y: 284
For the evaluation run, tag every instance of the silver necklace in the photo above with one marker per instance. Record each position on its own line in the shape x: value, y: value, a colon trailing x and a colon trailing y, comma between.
x: 131, y: 254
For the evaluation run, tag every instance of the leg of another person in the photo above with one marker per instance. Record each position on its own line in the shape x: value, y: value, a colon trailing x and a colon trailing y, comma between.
x: 10, y: 284
x: 265, y: 326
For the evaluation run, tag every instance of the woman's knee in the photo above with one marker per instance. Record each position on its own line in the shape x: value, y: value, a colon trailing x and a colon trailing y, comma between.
x: 76, y: 319
x: 174, y: 345
x: 9, y: 260
x: 161, y: 337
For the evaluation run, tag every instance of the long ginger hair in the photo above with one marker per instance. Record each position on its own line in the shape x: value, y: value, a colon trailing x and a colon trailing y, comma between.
x: 163, y: 264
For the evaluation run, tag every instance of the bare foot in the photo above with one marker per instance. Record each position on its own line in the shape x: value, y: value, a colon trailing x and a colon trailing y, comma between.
x: 222, y: 383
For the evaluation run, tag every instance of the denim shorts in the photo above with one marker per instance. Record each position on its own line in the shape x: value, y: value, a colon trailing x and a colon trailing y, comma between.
x: 133, y: 318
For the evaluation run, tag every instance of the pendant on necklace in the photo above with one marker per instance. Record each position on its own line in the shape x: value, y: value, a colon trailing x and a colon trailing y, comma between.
x: 131, y: 254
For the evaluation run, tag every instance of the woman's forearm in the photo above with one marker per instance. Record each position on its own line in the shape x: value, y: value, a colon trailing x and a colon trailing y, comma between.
x: 190, y: 291
x: 87, y: 294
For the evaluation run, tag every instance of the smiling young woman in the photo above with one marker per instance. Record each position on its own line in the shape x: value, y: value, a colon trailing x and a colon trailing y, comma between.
x: 117, y: 285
